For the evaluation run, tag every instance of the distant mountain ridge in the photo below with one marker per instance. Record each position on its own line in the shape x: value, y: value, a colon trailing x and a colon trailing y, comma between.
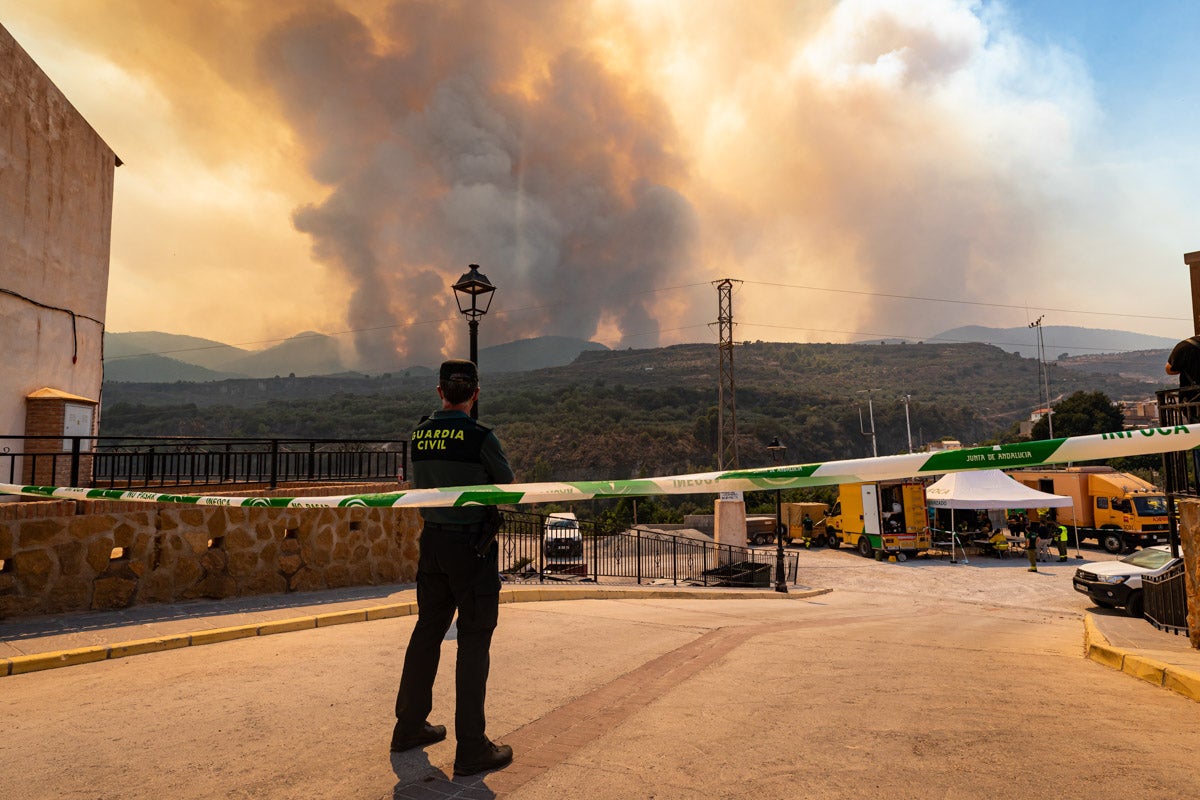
x: 155, y: 357
x: 1058, y: 340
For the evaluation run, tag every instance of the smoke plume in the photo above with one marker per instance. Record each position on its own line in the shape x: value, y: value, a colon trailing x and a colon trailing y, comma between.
x: 480, y: 132
x: 343, y: 161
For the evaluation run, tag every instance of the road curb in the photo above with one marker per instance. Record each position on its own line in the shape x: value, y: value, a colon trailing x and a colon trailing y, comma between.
x: 19, y: 665
x: 1151, y: 670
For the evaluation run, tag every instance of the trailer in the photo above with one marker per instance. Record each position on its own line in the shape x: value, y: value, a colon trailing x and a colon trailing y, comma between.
x: 812, y: 532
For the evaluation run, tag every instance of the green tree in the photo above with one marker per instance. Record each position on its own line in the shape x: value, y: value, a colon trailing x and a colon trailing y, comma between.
x: 1081, y: 414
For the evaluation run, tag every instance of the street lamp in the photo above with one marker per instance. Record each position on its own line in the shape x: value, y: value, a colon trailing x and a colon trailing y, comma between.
x: 473, y: 293
x: 777, y: 450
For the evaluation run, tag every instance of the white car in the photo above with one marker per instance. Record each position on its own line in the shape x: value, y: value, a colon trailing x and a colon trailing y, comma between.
x: 1118, y: 584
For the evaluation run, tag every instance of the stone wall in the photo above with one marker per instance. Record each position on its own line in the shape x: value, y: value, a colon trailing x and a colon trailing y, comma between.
x: 62, y: 556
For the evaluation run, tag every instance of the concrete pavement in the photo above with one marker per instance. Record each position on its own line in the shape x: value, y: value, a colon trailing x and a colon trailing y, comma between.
x: 856, y: 692
x: 1117, y: 641
x: 51, y: 642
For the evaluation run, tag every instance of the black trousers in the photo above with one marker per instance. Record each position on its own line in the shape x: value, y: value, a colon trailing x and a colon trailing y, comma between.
x: 451, y: 577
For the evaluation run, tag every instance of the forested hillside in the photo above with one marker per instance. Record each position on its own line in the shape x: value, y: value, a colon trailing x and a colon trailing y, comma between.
x: 624, y: 413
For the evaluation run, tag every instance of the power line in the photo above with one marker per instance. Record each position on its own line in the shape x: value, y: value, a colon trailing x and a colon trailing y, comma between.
x: 920, y: 339
x: 965, y: 302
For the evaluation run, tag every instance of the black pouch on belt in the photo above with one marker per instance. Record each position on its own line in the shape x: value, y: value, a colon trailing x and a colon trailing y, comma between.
x: 491, y: 527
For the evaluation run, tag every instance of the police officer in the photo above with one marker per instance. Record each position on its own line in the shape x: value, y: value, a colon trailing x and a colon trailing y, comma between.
x: 457, y: 571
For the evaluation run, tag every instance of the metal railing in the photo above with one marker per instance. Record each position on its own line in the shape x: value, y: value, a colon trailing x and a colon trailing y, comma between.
x: 124, y: 462
x: 1164, y: 600
x: 1181, y: 469
x: 640, y: 556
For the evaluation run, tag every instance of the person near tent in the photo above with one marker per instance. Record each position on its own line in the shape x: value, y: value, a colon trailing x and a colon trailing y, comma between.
x: 807, y: 524
x: 1045, y: 534
x: 1031, y: 543
x: 1061, y: 541
x: 999, y: 543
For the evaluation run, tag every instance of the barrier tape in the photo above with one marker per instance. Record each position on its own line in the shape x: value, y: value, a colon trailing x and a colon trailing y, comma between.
x: 1143, y: 441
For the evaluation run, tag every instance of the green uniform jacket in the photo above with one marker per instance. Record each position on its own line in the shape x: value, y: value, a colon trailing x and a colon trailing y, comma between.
x: 451, y: 449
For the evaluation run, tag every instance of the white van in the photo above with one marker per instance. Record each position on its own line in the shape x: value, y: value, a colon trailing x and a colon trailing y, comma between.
x: 562, y: 544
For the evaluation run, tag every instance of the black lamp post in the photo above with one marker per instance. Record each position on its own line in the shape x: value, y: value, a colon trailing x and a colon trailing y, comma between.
x: 777, y: 450
x: 473, y: 293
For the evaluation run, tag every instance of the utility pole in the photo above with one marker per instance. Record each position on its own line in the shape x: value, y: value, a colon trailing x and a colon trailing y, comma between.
x: 907, y: 424
x: 1045, y: 372
x: 727, y: 453
x: 871, y: 411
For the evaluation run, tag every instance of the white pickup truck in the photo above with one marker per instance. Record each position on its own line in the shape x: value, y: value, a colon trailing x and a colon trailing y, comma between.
x: 1118, y: 584
x: 562, y: 545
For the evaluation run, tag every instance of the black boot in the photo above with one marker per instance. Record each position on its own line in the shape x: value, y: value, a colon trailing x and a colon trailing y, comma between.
x: 491, y: 756
x: 406, y: 740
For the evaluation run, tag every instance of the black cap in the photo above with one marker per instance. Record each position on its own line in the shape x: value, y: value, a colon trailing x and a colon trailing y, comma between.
x: 459, y: 371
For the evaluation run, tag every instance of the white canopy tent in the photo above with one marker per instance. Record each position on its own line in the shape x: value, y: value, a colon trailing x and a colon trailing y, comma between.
x: 986, y: 489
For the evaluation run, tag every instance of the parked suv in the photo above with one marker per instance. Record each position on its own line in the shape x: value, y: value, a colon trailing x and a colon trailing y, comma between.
x: 1118, y: 584
x: 563, y: 544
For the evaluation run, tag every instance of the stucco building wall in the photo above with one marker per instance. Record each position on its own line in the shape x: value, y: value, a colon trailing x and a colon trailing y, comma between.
x: 56, y: 189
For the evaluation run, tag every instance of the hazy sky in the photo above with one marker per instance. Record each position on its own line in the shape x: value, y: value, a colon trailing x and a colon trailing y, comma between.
x: 334, y: 166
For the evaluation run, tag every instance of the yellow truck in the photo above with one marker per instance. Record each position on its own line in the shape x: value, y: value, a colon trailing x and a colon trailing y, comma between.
x: 880, y: 519
x: 793, y: 520
x: 1118, y: 510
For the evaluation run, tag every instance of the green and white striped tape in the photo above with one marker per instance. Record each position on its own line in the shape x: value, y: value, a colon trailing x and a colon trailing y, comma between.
x: 1143, y: 441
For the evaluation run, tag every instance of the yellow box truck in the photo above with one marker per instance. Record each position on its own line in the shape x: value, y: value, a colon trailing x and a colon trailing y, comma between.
x: 880, y: 519
x: 1118, y: 510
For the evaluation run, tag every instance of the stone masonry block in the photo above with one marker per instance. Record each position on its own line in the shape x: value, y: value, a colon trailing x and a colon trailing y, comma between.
x: 338, y: 575
x: 33, y: 564
x: 193, y: 517
x: 157, y: 587
x: 197, y: 541
x: 36, y: 532
x: 306, y: 580
x: 116, y: 591
x: 124, y: 534
x: 72, y: 594
x: 240, y: 539
x: 99, y: 553
x: 242, y: 563
x: 387, y: 572
x: 214, y: 560
x: 218, y: 524
x: 289, y: 564
x: 71, y: 557
x: 91, y: 525
x: 184, y: 574
x: 263, y: 583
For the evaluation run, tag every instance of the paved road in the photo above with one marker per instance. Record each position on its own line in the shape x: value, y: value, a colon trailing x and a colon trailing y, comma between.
x: 916, y: 680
